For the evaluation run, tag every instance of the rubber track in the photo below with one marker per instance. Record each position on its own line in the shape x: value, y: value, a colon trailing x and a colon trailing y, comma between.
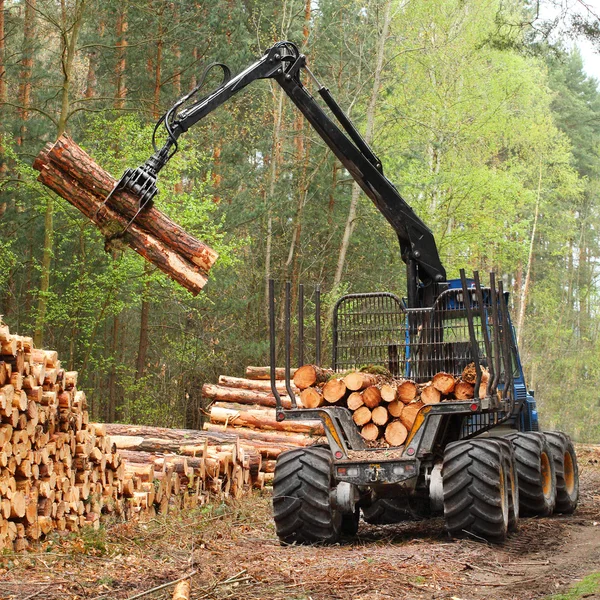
x: 529, y: 447
x: 472, y: 499
x: 301, y: 497
x: 560, y: 443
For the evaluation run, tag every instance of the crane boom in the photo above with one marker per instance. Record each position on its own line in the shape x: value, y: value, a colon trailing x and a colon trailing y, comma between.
x: 283, y: 62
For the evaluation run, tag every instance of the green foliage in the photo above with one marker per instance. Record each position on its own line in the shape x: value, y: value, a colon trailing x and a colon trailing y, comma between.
x: 588, y: 586
x: 484, y: 133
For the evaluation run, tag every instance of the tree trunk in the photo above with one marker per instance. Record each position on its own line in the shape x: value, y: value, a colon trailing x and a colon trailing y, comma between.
x: 370, y: 118
x: 121, y: 57
x: 140, y: 365
x: 525, y: 292
x: 221, y: 393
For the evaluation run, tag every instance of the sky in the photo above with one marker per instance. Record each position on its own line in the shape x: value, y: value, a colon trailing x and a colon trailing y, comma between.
x: 588, y: 9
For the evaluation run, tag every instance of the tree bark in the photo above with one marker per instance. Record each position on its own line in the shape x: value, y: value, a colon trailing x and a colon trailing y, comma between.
x: 265, y: 373
x: 221, y: 393
x: 370, y: 123
x: 109, y: 222
x: 67, y: 156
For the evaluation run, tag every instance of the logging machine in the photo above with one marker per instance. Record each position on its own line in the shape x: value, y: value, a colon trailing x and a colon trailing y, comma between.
x: 480, y: 462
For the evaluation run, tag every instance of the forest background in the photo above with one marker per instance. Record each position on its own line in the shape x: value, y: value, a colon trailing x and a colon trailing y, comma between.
x: 483, y: 116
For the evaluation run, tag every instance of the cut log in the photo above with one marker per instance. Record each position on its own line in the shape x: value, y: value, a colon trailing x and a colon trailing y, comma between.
x: 334, y: 390
x: 263, y: 420
x: 444, y: 382
x: 359, y: 381
x: 182, y: 590
x: 265, y: 373
x: 221, y: 393
x: 395, y: 433
x: 389, y: 392
x: 245, y: 433
x: 380, y: 415
x: 310, y: 375
x: 395, y: 408
x: 111, y: 223
x: 372, y: 397
x: 253, y: 384
x: 312, y: 397
x: 485, y: 379
x: 362, y: 415
x: 430, y: 394
x: 407, y: 391
x: 469, y: 374
x: 464, y: 390
x: 409, y: 414
x: 66, y: 156
x: 354, y: 401
x: 370, y: 432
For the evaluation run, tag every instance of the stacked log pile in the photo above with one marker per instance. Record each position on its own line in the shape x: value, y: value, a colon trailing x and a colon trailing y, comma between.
x: 246, y: 407
x: 203, y: 465
x: 67, y: 170
x: 58, y: 471
x: 383, y: 408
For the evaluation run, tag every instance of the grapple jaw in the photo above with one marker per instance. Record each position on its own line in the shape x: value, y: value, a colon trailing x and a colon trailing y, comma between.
x: 140, y: 182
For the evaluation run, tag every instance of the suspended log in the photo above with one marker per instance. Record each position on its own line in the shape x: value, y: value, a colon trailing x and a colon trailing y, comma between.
x: 66, y: 156
x: 111, y: 223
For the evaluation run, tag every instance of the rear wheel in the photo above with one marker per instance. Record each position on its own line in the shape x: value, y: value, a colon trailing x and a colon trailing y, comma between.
x: 476, y: 498
x: 302, y: 505
x: 567, y: 471
x: 535, y: 473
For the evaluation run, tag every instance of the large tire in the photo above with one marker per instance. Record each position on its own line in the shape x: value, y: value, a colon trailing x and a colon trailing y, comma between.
x: 302, y: 505
x: 536, y: 474
x: 475, y: 491
x: 512, y: 482
x: 567, y: 471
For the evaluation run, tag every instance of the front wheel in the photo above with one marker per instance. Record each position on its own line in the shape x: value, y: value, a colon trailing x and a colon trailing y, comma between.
x: 302, y: 504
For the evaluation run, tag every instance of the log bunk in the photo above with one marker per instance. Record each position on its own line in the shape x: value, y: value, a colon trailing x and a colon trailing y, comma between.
x: 383, y: 408
x: 58, y: 471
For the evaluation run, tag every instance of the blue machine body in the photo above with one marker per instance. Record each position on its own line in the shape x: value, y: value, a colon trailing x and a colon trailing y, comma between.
x: 527, y: 419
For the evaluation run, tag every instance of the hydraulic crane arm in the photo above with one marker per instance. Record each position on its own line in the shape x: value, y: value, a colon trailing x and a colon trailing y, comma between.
x: 283, y: 63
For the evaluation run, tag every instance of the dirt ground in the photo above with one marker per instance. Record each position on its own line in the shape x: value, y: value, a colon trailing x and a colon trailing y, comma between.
x: 233, y: 553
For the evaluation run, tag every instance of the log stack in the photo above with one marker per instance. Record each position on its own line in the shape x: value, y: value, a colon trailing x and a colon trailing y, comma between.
x: 383, y: 408
x: 245, y: 407
x: 67, y: 170
x: 58, y: 471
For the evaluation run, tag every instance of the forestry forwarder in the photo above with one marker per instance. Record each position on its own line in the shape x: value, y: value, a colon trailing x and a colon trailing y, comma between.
x: 480, y: 461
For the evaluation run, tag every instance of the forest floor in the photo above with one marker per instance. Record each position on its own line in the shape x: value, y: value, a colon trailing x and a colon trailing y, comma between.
x: 233, y: 553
